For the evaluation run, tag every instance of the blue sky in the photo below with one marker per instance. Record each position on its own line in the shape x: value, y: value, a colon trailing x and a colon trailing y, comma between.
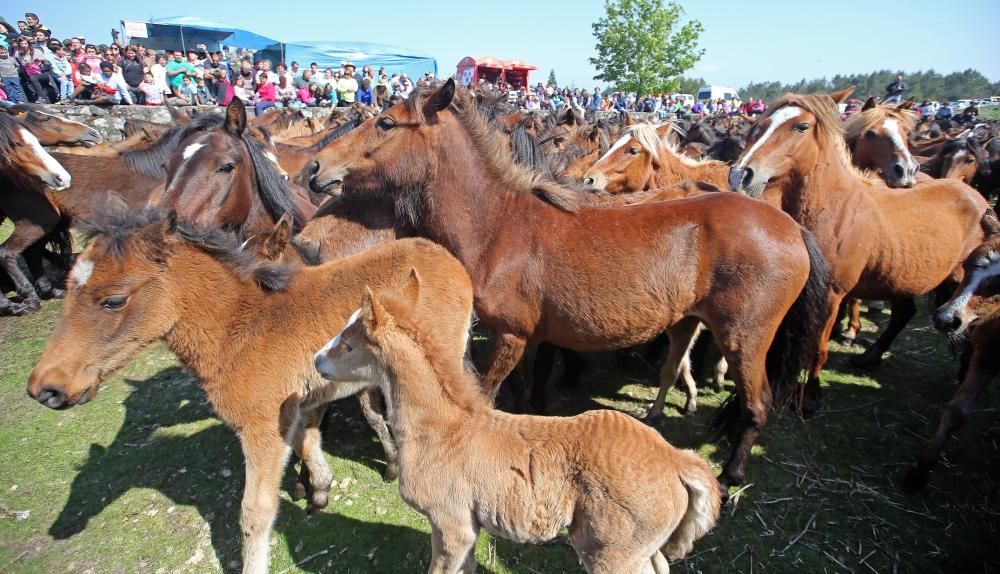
x: 744, y: 41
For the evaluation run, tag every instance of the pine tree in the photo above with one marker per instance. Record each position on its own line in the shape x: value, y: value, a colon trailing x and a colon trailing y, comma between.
x: 552, y: 79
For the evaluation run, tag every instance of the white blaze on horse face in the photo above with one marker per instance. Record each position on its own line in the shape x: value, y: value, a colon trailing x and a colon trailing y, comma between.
x: 977, y: 278
x: 777, y: 118
x: 60, y: 177
x: 81, y: 272
x: 336, y: 340
x: 191, y: 150
x: 892, y: 126
x: 621, y: 142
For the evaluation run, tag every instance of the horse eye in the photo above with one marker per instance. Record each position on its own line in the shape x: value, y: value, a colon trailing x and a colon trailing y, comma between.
x: 802, y: 128
x: 633, y: 151
x: 970, y: 160
x: 869, y: 134
x: 115, y: 302
x: 386, y: 123
x: 227, y: 168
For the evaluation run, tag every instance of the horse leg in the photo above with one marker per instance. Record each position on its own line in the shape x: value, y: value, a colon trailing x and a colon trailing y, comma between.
x: 902, y: 311
x: 851, y: 307
x: 719, y: 377
x: 573, y: 365
x: 534, y: 394
x: 982, y: 371
x: 808, y: 403
x: 374, y: 409
x: 681, y: 336
x: 10, y: 252
x: 309, y: 448
x: 453, y: 545
x: 508, y: 349
x: 265, y: 452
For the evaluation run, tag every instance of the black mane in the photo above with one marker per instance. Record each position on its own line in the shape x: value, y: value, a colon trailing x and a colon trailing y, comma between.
x: 151, y: 160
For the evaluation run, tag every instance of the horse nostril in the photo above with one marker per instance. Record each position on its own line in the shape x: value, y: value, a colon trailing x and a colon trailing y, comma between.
x: 747, y: 177
x: 52, y: 398
x: 588, y: 181
x: 314, y: 167
x: 899, y: 171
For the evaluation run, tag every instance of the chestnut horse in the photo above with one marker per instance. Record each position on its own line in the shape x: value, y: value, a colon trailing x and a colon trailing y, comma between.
x: 643, y: 159
x: 221, y: 176
x: 52, y: 130
x: 587, y: 279
x: 973, y: 311
x: 25, y: 173
x: 882, y: 243
x: 619, y: 488
x: 877, y: 139
x: 145, y: 277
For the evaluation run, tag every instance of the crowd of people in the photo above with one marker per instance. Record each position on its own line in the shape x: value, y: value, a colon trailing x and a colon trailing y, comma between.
x: 551, y: 97
x: 36, y: 66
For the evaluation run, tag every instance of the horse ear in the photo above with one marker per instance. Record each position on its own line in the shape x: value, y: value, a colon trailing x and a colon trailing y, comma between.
x: 444, y: 95
x: 629, y: 120
x: 907, y: 105
x: 411, y: 291
x: 841, y: 96
x: 373, y: 311
x: 595, y: 133
x: 869, y: 103
x: 570, y: 118
x: 236, y: 117
x: 277, y: 241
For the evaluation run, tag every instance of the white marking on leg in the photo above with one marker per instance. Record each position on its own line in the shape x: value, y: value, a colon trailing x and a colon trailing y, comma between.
x: 892, y: 126
x: 779, y: 117
x: 82, y: 271
x: 191, y: 150
x: 53, y: 167
x: 621, y: 142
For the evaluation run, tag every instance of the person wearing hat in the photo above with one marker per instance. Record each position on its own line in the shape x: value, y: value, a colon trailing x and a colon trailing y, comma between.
x: 31, y: 19
x: 347, y: 86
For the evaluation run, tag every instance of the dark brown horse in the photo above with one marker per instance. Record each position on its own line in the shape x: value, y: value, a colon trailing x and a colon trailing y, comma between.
x: 26, y: 171
x: 220, y: 176
x: 973, y: 312
x: 580, y: 278
x: 882, y: 243
x: 52, y: 130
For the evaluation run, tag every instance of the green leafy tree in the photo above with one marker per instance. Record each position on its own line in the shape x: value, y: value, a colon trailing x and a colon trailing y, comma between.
x: 552, y: 79
x: 642, y: 46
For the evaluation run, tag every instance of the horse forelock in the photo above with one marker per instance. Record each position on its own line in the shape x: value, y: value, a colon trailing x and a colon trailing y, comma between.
x: 872, y: 118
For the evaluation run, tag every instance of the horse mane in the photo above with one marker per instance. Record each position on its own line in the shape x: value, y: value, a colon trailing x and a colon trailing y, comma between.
x: 829, y: 126
x: 150, y: 161
x: 651, y: 141
x: 457, y: 382
x: 338, y: 132
x: 861, y: 122
x: 117, y: 227
x: 497, y: 156
x: 271, y: 187
x: 7, y: 127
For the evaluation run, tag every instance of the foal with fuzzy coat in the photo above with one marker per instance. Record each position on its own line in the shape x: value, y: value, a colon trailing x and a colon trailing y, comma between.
x: 621, y: 490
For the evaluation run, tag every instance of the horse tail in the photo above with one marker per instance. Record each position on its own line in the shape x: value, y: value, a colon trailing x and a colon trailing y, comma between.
x: 990, y: 223
x: 704, y: 503
x: 797, y: 339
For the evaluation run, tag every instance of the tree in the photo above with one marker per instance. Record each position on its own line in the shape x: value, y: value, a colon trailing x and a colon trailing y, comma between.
x: 552, y: 79
x: 638, y: 48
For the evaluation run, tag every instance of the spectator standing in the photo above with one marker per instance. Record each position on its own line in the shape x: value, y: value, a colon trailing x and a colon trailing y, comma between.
x: 177, y: 69
x: 133, y: 70
x: 159, y: 71
x: 31, y: 59
x: 895, y: 90
x: 10, y: 77
x: 62, y: 69
x: 347, y: 86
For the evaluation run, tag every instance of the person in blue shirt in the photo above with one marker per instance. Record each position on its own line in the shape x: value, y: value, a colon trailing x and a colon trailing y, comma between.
x: 365, y: 94
x: 944, y: 112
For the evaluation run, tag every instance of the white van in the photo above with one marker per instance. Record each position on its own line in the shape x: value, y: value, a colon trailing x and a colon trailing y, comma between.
x: 706, y: 93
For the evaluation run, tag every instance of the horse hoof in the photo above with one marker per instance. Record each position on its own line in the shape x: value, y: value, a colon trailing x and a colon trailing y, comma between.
x: 652, y: 416
x: 55, y: 293
x: 690, y: 408
x: 21, y: 309
x: 867, y: 360
x: 915, y: 480
x: 391, y: 472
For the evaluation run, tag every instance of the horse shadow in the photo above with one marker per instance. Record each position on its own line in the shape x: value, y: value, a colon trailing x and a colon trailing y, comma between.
x: 171, y: 442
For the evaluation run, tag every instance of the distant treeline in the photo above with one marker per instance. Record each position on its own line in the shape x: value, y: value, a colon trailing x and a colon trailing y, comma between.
x: 930, y: 85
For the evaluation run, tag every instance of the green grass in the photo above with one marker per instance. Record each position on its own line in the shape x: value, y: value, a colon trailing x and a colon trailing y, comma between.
x: 989, y: 113
x: 145, y: 478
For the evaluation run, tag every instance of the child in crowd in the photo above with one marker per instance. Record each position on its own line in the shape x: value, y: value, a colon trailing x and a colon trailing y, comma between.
x: 150, y: 87
x: 204, y: 98
x: 9, y: 77
x: 62, y: 69
x: 187, y: 92
x: 85, y: 82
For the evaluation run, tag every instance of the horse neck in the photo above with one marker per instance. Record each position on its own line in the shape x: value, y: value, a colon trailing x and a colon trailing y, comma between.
x: 419, y: 399
x: 209, y: 300
x: 829, y: 184
x: 462, y: 185
x: 671, y: 169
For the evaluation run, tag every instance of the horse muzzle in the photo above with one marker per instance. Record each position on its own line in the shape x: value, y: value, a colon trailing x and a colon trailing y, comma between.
x: 744, y: 180
x: 43, y: 388
x: 325, y: 181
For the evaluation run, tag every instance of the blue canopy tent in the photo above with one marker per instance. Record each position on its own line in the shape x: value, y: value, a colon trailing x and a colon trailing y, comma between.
x: 394, y: 59
x: 184, y: 32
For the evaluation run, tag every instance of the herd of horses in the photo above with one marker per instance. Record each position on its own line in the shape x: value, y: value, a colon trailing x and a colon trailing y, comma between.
x: 218, y: 232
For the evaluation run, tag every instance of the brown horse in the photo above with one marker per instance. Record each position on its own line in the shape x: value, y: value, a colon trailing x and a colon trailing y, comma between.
x: 25, y: 173
x: 621, y: 490
x: 882, y: 243
x: 961, y: 158
x: 643, y: 159
x: 221, y: 176
x: 974, y: 310
x: 52, y: 130
x: 585, y: 279
x: 877, y: 139
x: 145, y: 278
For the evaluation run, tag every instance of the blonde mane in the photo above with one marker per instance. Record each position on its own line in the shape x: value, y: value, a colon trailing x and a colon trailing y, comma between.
x: 872, y: 118
x: 648, y: 136
x: 492, y: 147
x: 830, y: 128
